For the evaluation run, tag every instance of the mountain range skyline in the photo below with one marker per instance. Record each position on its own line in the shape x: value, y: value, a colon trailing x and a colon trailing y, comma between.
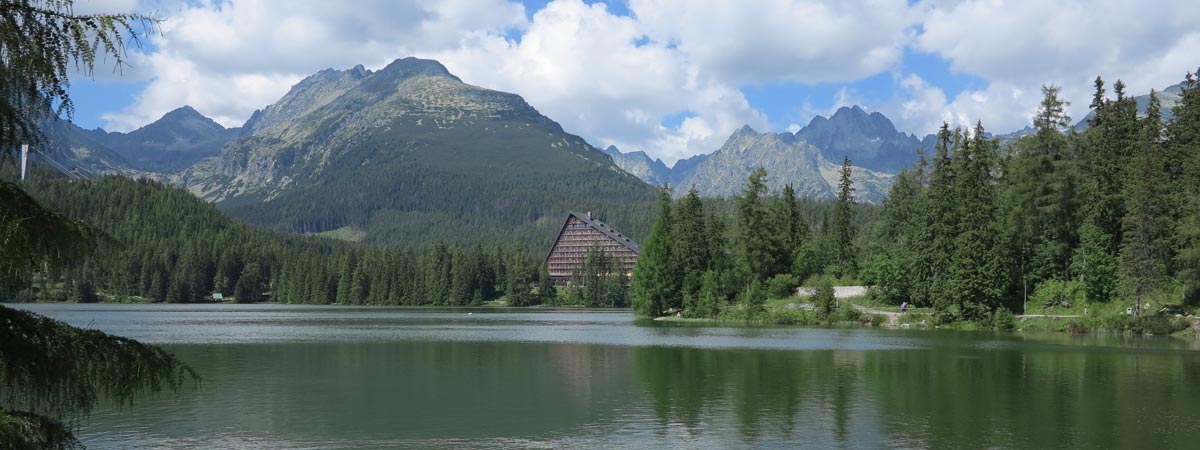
x: 630, y: 74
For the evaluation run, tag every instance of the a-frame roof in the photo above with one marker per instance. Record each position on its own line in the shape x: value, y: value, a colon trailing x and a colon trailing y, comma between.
x: 598, y: 225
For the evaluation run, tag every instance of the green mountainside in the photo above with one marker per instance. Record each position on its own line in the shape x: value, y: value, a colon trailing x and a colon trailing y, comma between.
x: 410, y: 153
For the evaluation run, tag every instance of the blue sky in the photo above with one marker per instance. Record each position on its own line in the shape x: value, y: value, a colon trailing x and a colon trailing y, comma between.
x: 670, y: 77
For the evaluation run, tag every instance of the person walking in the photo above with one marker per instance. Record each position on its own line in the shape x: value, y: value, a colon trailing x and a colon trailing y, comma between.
x: 904, y: 308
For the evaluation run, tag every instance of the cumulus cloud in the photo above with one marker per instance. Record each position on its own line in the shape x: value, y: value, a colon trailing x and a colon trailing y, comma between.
x: 1020, y: 45
x: 615, y: 79
x: 593, y: 72
x: 229, y: 58
x: 770, y: 40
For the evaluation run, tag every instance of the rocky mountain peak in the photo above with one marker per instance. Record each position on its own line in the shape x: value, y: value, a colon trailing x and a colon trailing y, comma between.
x: 410, y: 67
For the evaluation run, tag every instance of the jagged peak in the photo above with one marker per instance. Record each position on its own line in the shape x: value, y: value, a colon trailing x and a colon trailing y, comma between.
x: 745, y: 130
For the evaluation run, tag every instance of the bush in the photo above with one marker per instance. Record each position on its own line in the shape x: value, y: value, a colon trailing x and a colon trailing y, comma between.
x: 877, y: 319
x: 823, y: 297
x: 1159, y: 325
x: 1076, y: 327
x: 1059, y: 294
x: 782, y: 286
x: 1003, y: 319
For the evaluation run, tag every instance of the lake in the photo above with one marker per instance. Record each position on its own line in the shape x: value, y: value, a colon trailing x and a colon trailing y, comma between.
x: 329, y: 377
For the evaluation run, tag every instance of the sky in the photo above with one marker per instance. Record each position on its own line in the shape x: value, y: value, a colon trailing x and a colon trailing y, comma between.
x: 673, y: 78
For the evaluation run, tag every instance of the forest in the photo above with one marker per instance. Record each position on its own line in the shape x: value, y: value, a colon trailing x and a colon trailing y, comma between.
x: 159, y: 243
x: 1107, y: 214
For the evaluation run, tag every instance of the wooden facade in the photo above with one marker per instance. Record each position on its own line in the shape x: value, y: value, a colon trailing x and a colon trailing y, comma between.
x: 580, y: 232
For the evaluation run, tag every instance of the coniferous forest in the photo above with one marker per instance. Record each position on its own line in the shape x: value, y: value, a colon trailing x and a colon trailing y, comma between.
x: 1106, y: 214
x: 159, y: 243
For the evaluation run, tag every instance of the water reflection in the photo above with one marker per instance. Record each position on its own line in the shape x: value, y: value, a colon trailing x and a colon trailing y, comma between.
x: 330, y: 378
x: 951, y: 396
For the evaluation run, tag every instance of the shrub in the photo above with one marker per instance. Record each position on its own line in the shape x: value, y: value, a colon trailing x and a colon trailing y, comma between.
x: 1003, y: 319
x: 782, y: 286
x: 823, y: 297
x: 1076, y: 327
x: 1159, y: 325
x: 1059, y: 294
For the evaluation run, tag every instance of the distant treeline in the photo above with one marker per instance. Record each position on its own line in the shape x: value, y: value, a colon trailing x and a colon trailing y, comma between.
x: 159, y: 243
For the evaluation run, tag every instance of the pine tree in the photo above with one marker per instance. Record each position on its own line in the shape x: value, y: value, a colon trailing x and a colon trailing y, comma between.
x: 654, y: 278
x: 975, y: 276
x: 1184, y: 135
x: 690, y: 248
x: 1145, y: 249
x: 757, y: 240
x: 847, y: 254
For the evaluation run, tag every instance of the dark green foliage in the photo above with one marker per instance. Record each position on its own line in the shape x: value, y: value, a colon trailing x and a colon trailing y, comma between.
x: 753, y: 299
x: 770, y: 246
x: 783, y: 285
x: 1058, y: 210
x: 823, y: 297
x: 162, y: 244
x: 599, y: 282
x: 34, y: 237
x: 656, y: 280
x: 1145, y: 248
x: 847, y: 254
x: 52, y: 373
x: 758, y: 245
x: 1003, y: 319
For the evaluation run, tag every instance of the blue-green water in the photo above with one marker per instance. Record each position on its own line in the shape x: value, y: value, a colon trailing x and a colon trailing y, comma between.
x: 377, y: 378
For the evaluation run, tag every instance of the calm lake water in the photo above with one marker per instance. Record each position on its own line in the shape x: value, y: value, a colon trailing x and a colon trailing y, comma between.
x: 304, y: 377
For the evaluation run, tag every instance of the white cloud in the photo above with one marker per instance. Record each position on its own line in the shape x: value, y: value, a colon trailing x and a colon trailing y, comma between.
x: 228, y: 58
x: 614, y: 79
x: 1020, y: 45
x: 584, y: 67
x: 771, y: 40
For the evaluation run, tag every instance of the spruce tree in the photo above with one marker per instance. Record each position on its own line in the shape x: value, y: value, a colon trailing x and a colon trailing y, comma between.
x: 756, y: 237
x: 654, y: 277
x: 975, y: 276
x: 1145, y: 249
x: 844, y: 232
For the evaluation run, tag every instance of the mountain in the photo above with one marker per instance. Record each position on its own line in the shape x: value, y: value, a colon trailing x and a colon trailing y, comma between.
x: 639, y: 164
x: 787, y: 158
x: 1168, y: 97
x: 69, y: 148
x: 169, y: 144
x: 870, y: 140
x: 410, y: 153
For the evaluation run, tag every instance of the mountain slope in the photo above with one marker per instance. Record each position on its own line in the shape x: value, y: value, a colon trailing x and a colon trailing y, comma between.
x: 639, y: 164
x: 787, y: 160
x: 169, y: 144
x: 870, y: 140
x: 410, y: 153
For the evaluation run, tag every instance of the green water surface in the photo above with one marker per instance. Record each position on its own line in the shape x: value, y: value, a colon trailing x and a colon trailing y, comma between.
x: 381, y: 378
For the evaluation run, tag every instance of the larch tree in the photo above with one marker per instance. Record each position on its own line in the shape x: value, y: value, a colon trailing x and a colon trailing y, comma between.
x: 52, y: 373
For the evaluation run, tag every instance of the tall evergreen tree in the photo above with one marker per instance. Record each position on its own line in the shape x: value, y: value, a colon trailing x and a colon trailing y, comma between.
x: 654, y: 278
x: 847, y: 254
x: 757, y: 240
x: 975, y: 278
x: 1145, y: 250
